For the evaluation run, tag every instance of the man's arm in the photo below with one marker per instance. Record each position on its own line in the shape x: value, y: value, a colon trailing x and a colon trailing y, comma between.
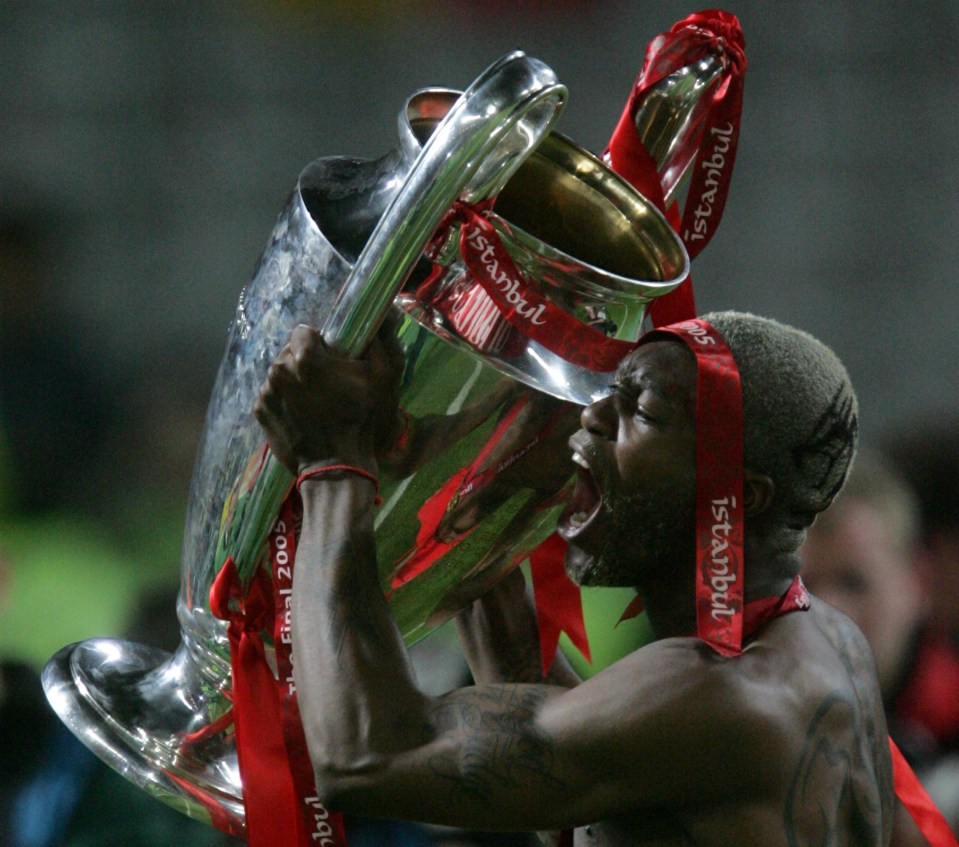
x: 378, y: 745
x: 520, y: 756
x: 500, y: 638
x: 514, y: 756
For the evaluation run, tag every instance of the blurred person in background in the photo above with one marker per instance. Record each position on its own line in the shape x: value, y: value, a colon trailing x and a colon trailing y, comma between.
x: 926, y: 453
x: 858, y: 557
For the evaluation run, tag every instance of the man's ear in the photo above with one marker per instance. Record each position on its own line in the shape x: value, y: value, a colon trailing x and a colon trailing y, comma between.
x: 758, y: 491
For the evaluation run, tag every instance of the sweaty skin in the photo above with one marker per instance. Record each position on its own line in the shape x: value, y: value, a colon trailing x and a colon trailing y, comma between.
x: 672, y: 745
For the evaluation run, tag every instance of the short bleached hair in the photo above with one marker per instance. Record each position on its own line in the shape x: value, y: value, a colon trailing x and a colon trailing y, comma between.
x: 800, y: 415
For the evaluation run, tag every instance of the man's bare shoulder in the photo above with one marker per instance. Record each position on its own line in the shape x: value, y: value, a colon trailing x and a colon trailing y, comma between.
x: 697, y: 714
x: 758, y: 685
x: 791, y: 727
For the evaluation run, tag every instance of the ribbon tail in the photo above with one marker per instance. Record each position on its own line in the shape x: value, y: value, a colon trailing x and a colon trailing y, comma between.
x: 628, y: 156
x: 931, y: 822
x: 679, y: 304
x: 634, y: 609
x: 559, y: 605
x: 272, y: 810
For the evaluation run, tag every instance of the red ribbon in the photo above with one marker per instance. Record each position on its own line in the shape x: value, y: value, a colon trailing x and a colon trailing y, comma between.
x: 268, y: 793
x: 699, y: 35
x: 559, y: 606
x: 317, y: 825
x: 719, y: 486
x: 522, y: 306
x: 282, y: 809
x: 931, y: 822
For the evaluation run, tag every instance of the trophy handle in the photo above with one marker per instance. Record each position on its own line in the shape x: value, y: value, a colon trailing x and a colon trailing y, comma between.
x: 490, y: 131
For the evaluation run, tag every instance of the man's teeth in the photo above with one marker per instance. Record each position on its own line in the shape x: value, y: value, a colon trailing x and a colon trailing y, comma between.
x: 580, y: 460
x: 578, y: 518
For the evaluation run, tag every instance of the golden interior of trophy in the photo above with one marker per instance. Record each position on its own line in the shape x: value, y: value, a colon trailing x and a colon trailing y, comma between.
x: 569, y: 201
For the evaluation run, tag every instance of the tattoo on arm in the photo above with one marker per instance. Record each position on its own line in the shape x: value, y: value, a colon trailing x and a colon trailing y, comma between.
x: 498, y: 743
x: 348, y: 612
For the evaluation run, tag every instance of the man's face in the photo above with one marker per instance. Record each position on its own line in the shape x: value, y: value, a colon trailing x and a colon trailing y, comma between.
x: 632, y: 513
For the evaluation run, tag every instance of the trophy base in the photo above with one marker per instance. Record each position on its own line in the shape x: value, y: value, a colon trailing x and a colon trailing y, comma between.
x: 137, y: 709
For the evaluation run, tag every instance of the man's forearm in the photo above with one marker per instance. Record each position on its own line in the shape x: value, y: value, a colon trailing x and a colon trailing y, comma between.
x: 500, y: 638
x: 354, y: 684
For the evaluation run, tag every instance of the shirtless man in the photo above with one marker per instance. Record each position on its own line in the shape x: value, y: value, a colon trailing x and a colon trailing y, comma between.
x: 784, y: 744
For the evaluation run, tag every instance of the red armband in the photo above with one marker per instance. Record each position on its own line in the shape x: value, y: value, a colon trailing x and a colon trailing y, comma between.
x: 342, y: 469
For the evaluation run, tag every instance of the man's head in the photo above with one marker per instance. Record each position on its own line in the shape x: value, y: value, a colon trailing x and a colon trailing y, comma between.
x: 633, y: 511
x: 800, y: 416
x: 858, y: 557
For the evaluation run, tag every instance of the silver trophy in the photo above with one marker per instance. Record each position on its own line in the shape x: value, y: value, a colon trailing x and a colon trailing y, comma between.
x: 483, y: 471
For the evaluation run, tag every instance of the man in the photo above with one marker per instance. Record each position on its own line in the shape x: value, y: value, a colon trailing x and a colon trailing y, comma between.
x: 674, y: 744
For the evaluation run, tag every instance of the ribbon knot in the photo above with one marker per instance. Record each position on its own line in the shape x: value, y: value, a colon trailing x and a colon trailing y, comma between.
x: 250, y: 609
x: 720, y: 28
x: 278, y: 792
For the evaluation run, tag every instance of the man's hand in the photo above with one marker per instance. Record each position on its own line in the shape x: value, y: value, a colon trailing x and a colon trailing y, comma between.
x: 317, y: 404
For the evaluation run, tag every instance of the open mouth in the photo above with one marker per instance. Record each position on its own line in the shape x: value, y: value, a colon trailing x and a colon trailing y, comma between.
x: 585, y: 502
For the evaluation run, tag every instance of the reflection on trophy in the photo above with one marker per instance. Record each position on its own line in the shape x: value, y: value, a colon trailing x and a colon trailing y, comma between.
x: 496, y: 365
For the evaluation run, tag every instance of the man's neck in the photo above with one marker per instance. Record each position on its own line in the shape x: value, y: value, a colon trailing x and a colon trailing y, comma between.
x: 671, y: 608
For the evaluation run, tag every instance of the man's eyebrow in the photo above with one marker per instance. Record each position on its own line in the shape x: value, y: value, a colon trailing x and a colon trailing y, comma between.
x: 642, y: 380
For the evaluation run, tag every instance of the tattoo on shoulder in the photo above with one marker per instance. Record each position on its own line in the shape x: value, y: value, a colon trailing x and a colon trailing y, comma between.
x: 853, y: 652
x: 842, y: 789
x: 838, y: 792
x: 499, y: 744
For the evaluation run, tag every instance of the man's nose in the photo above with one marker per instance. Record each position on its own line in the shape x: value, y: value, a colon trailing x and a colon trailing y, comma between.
x: 599, y: 418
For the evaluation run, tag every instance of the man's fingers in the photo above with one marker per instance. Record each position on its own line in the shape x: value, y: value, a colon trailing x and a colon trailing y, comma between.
x: 385, y: 354
x: 265, y: 406
x: 304, y: 336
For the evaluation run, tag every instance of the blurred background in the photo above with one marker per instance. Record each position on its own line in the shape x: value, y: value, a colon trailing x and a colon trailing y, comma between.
x: 146, y: 149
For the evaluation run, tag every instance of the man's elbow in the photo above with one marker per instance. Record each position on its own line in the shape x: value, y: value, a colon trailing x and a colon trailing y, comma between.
x: 346, y: 787
x: 331, y: 790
